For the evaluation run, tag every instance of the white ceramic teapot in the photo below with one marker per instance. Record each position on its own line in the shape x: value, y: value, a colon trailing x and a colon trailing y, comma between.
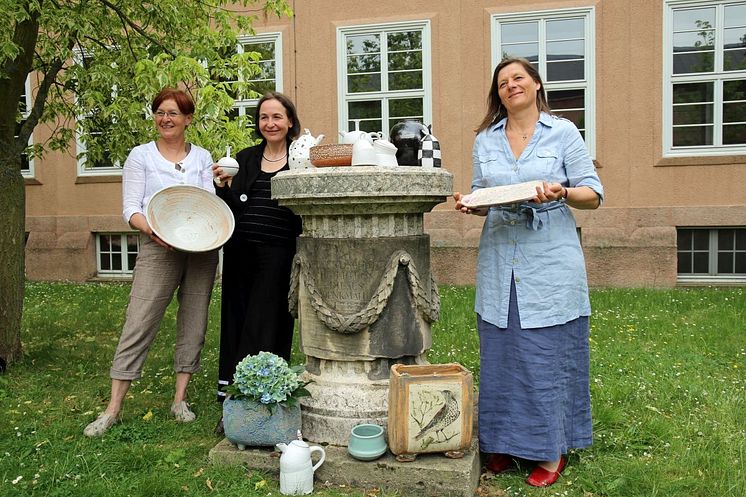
x: 363, y: 153
x: 299, y: 155
x: 296, y: 469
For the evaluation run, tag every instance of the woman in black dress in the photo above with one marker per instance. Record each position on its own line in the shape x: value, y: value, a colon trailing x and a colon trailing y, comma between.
x: 257, y: 260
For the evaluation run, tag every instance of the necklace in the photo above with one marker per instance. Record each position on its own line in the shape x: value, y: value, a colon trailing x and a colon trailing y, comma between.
x: 274, y: 160
x: 524, y: 134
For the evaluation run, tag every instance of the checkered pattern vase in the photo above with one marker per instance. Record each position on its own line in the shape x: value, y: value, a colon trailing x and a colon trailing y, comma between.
x: 429, y: 153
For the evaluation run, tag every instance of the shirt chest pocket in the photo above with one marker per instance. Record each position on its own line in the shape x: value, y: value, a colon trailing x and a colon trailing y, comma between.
x: 494, y: 169
x: 547, y: 161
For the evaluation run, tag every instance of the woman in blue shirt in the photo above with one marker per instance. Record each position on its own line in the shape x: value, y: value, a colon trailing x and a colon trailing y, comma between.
x: 532, y: 293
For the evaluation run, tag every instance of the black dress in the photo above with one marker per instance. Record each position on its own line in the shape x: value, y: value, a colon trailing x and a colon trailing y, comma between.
x: 257, y: 261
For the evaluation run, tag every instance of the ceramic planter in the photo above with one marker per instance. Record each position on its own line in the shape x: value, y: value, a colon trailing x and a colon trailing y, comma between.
x: 248, y: 423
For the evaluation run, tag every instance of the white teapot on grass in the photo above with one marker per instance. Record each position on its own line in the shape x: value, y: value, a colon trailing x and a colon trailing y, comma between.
x: 299, y: 155
x: 296, y: 467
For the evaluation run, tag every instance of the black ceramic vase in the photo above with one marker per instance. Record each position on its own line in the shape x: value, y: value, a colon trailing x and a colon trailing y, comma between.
x: 406, y: 137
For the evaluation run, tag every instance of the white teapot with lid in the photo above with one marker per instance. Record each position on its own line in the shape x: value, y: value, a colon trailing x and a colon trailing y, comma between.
x: 299, y: 154
x: 296, y: 467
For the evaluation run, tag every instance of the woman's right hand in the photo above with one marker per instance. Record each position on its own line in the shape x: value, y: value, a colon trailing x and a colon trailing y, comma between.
x: 221, y: 179
x: 482, y: 211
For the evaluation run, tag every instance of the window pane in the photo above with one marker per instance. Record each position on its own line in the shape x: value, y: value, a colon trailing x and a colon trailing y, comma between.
x: 684, y: 239
x: 363, y: 63
x: 725, y: 262
x: 684, y: 263
x: 735, y: 37
x: 735, y: 15
x: 132, y: 245
x: 701, y: 239
x: 726, y: 239
x: 740, y: 263
x: 105, y: 243
x: 565, y: 71
x: 405, y: 108
x: 116, y: 243
x: 266, y: 51
x: 734, y: 60
x: 405, y: 40
x: 116, y: 261
x: 734, y: 134
x: 364, y: 82
x: 365, y: 109
x: 405, y: 80
x: 528, y: 51
x: 693, y: 93
x: 369, y: 125
x: 734, y: 90
x: 576, y: 116
x: 105, y: 263
x: 564, y: 50
x: 701, y: 263
x: 405, y: 60
x: 262, y: 87
x: 693, y: 19
x: 566, y: 99
x: 741, y: 239
x: 693, y: 114
x: 131, y: 258
x: 692, y: 41
x: 363, y: 44
x: 692, y: 136
x: 512, y: 32
x: 693, y: 62
x: 563, y: 29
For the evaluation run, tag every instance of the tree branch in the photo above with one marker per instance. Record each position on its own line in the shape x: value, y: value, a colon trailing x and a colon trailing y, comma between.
x: 128, y: 22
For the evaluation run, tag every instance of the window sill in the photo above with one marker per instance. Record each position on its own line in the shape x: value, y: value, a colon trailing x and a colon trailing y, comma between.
x: 683, y: 281
x: 112, y: 178
x: 30, y: 180
x: 708, y: 160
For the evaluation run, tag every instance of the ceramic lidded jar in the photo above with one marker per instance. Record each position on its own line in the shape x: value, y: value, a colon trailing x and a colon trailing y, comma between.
x: 406, y: 137
x: 299, y: 154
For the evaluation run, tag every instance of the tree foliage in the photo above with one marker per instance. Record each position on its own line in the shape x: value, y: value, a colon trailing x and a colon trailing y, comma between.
x: 95, y: 65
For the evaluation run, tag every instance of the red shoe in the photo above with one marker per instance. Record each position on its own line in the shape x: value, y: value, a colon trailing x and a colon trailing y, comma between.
x: 541, y: 477
x: 500, y: 463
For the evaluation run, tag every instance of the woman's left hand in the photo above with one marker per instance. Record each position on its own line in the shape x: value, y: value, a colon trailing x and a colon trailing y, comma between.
x: 549, y: 192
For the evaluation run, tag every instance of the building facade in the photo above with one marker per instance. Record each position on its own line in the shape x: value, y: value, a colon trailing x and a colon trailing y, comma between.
x: 657, y: 88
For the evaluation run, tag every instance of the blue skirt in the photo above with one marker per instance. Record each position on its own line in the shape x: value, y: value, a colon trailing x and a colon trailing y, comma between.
x: 534, y: 390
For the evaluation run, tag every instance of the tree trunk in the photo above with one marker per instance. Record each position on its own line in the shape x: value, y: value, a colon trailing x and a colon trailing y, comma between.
x: 12, y: 238
x: 12, y: 188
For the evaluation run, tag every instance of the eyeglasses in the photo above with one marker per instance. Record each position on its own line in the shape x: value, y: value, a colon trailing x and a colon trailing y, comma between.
x: 172, y: 114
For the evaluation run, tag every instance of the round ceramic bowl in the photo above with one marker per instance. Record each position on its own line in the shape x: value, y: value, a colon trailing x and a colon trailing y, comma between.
x: 366, y: 442
x: 333, y: 154
x: 189, y: 218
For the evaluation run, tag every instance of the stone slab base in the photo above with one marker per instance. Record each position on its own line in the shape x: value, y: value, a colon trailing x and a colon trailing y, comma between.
x: 428, y: 475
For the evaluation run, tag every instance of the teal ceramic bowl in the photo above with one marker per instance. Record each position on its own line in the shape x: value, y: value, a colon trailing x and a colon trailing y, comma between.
x: 367, y: 442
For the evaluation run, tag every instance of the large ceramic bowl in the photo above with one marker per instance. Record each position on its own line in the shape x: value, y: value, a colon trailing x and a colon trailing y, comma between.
x: 189, y: 218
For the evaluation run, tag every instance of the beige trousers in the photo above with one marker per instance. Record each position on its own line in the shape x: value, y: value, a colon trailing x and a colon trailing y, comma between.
x: 158, y: 273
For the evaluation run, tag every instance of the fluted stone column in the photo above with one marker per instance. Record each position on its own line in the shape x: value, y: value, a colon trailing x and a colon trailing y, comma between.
x: 361, y: 285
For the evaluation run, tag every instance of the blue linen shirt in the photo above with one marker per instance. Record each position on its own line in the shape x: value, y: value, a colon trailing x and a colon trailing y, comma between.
x: 537, y: 244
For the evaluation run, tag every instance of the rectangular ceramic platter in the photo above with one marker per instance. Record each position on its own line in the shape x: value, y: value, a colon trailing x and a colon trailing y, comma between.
x: 499, y: 195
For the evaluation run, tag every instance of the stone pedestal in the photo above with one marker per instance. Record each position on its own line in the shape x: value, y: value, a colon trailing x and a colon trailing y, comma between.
x: 361, y: 285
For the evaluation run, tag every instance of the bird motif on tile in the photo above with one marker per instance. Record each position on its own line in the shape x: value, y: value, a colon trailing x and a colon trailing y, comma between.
x: 447, y: 414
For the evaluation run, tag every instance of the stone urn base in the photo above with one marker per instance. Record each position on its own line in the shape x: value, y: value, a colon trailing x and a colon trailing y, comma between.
x: 248, y: 423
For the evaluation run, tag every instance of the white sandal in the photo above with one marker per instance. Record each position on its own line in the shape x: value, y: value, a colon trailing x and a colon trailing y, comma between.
x: 182, y: 413
x: 101, y: 425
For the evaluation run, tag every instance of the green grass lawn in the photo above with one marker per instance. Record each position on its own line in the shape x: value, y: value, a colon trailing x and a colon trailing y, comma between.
x: 668, y: 380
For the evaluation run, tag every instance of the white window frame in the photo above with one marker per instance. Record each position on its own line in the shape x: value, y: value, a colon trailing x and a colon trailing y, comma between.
x: 30, y: 172
x: 344, y: 97
x: 717, y: 77
x: 713, y: 277
x: 273, y: 37
x: 126, y: 271
x: 80, y: 146
x: 588, y: 84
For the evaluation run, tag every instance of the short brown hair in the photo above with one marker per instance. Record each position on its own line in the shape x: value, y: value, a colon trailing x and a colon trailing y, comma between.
x: 183, y: 101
